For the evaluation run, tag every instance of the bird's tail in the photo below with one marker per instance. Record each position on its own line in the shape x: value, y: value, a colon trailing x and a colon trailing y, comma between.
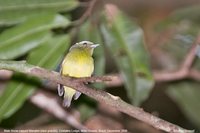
x: 69, y: 93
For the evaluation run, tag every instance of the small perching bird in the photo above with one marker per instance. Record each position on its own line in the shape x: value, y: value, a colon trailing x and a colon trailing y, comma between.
x: 77, y: 63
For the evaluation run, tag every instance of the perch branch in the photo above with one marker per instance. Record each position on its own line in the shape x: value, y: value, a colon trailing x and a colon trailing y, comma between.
x: 98, y: 95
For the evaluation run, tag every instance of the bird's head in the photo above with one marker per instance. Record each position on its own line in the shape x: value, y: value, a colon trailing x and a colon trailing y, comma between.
x: 85, y: 45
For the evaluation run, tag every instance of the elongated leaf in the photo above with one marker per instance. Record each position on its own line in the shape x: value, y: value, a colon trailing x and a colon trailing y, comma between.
x: 125, y: 41
x: 89, y: 32
x: 48, y: 55
x: 29, y: 35
x: 186, y: 95
x: 19, y: 10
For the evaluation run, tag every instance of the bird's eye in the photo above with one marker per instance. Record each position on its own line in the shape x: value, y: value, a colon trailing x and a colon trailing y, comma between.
x: 84, y: 43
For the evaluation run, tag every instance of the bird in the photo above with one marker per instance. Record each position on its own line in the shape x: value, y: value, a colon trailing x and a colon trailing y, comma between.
x: 77, y: 63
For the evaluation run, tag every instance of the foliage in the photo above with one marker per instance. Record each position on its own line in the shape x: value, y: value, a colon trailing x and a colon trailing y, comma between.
x: 17, y: 11
x: 35, y: 38
x: 40, y: 32
x: 125, y: 41
x: 184, y: 93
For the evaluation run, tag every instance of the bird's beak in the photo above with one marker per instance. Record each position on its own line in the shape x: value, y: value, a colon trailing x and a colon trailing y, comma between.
x: 94, y: 45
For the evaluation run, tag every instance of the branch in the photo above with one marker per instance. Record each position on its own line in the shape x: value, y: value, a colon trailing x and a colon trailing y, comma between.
x: 180, y: 74
x: 190, y: 57
x: 5, y: 74
x: 184, y: 71
x: 98, y: 95
x: 86, y: 14
x: 49, y: 104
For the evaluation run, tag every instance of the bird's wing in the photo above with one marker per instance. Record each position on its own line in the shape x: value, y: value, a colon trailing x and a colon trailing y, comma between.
x: 60, y: 87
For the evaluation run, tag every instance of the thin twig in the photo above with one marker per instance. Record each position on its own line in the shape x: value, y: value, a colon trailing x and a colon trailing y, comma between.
x: 184, y: 70
x: 189, y: 59
x: 86, y: 14
x: 96, y: 79
x: 98, y: 95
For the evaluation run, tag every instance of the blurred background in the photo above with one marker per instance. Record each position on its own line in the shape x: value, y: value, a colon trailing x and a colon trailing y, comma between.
x: 150, y: 46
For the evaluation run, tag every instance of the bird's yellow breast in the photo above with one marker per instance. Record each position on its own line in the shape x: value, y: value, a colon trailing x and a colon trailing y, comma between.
x: 78, y: 63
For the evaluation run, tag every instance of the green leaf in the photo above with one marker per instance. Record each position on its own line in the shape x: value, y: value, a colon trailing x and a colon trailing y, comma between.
x: 186, y: 95
x: 48, y: 55
x: 89, y: 31
x: 125, y: 42
x: 13, y: 96
x: 12, y: 12
x: 20, y: 39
